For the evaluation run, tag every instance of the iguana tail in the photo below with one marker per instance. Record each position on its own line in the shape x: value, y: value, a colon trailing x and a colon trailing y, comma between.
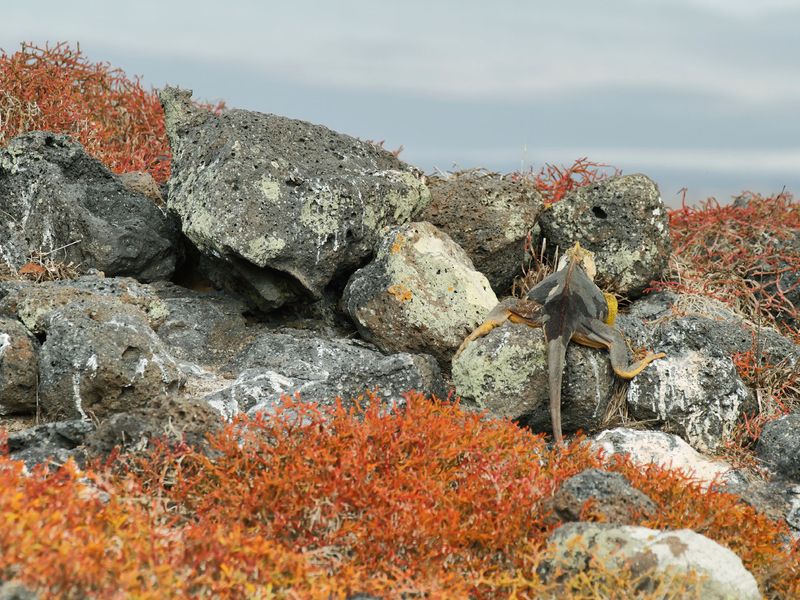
x: 556, y: 357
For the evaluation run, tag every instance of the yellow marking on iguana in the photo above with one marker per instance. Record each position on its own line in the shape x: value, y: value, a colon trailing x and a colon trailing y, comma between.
x: 569, y: 307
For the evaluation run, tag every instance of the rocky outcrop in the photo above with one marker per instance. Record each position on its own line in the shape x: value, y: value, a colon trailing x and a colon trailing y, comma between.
x: 19, y: 353
x: 490, y: 216
x: 58, y: 201
x: 696, y: 390
x: 101, y: 357
x: 653, y: 556
x: 606, y: 496
x: 623, y: 221
x: 51, y: 443
x: 421, y: 293
x: 170, y: 420
x: 287, y: 205
x: 33, y: 304
x: 320, y: 369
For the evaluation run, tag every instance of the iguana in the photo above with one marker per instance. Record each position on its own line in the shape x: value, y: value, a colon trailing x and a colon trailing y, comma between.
x: 569, y: 306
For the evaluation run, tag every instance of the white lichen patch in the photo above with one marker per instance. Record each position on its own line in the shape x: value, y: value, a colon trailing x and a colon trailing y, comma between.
x: 5, y: 343
x: 76, y: 395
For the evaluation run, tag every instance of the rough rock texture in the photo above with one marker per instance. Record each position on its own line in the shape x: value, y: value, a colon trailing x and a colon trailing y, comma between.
x: 420, y: 294
x: 603, y: 494
x: 207, y: 328
x: 505, y: 372
x: 33, y: 304
x: 778, y: 499
x: 289, y: 361
x: 282, y: 200
x: 489, y: 216
x: 49, y: 443
x: 19, y: 352
x: 55, y: 198
x: 696, y: 390
x: 654, y: 554
x: 623, y: 221
x: 664, y: 449
x: 168, y: 419
x: 101, y: 357
x: 778, y: 446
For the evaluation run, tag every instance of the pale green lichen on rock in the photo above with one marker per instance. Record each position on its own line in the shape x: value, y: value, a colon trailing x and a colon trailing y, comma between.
x: 507, y: 369
x: 270, y: 188
x: 319, y: 212
x: 263, y: 249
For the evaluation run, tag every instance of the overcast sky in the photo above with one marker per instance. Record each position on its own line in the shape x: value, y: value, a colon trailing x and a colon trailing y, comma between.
x: 697, y: 93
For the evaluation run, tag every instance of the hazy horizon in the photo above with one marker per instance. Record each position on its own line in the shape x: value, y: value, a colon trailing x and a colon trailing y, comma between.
x: 700, y: 94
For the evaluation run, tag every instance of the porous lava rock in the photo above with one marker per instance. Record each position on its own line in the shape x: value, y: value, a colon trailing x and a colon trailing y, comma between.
x: 59, y: 202
x: 623, y: 221
x: 285, y: 204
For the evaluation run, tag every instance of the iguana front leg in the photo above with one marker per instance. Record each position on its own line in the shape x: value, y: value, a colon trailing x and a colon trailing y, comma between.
x: 597, y: 334
x: 510, y: 309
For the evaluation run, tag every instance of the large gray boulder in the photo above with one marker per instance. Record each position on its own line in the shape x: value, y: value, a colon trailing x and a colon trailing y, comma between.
x: 696, y: 391
x: 101, y: 357
x: 623, y: 221
x: 490, y: 216
x: 420, y: 294
x: 505, y: 373
x: 19, y: 353
x: 319, y: 368
x: 58, y: 200
x: 284, y: 203
x: 653, y: 556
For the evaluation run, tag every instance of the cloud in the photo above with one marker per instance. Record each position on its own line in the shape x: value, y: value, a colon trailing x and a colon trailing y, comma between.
x: 510, y: 51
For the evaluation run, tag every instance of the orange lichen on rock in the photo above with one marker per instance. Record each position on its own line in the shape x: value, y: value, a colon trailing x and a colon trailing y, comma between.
x: 328, y: 502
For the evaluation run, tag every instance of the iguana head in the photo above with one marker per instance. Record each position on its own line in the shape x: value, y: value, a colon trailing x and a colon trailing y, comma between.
x: 583, y: 257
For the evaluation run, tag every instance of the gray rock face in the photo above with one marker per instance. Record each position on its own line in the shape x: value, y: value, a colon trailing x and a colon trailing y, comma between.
x: 505, y: 372
x: 55, y: 198
x: 623, y: 221
x: 101, y: 357
x: 664, y: 449
x: 778, y: 499
x: 610, y: 494
x: 19, y: 353
x: 33, y: 304
x: 171, y: 420
x: 51, y: 443
x: 204, y: 328
x: 696, y: 391
x: 281, y: 200
x: 489, y: 216
x: 654, y: 555
x: 420, y: 294
x: 282, y: 363
x: 778, y: 446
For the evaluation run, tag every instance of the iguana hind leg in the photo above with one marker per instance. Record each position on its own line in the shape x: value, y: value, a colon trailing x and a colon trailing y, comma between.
x: 596, y: 334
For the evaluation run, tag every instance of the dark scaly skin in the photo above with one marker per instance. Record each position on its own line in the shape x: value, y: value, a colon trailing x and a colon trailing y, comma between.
x: 569, y: 306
